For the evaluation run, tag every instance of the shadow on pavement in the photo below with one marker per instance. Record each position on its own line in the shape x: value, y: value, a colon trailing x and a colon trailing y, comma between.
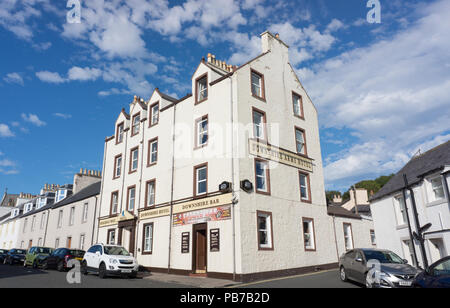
x: 11, y: 271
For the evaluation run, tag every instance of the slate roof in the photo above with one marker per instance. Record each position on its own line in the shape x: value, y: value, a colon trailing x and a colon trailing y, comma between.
x: 9, y: 200
x: 362, y: 208
x: 87, y: 192
x: 418, y: 167
x: 341, y: 212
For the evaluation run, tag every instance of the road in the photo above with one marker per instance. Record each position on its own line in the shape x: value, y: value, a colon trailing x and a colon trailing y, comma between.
x: 19, y: 277
x: 325, y: 279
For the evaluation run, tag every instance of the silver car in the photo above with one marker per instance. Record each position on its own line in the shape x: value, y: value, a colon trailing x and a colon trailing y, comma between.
x: 376, y: 268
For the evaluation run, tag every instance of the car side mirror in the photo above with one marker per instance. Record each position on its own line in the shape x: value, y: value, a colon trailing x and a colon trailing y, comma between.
x: 97, y: 253
x: 405, y: 261
x: 360, y: 260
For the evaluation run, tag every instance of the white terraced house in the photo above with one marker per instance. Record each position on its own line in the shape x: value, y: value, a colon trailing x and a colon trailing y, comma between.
x: 226, y: 182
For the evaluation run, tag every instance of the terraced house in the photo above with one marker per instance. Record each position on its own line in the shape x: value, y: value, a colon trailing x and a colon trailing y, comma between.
x: 225, y: 182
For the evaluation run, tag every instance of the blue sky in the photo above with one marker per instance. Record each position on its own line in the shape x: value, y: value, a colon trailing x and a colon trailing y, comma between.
x: 381, y: 89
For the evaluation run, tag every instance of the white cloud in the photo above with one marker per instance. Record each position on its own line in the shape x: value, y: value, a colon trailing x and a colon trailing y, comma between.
x: 33, y: 119
x: 14, y: 78
x: 335, y: 25
x: 83, y: 74
x: 392, y: 95
x: 62, y: 115
x: 50, y: 77
x: 5, y: 131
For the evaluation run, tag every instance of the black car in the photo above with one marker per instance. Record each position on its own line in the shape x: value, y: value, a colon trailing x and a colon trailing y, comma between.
x: 60, y: 258
x: 437, y: 275
x: 3, y: 253
x: 15, y: 256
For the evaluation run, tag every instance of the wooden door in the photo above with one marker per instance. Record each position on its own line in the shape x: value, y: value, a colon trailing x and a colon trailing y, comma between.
x: 200, y: 245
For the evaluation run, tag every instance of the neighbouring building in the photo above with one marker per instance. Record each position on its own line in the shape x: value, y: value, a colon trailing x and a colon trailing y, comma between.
x: 396, y: 219
x: 225, y: 182
x: 358, y: 202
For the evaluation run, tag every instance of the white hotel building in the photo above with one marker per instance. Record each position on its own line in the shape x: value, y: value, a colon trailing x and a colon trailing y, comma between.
x: 251, y: 128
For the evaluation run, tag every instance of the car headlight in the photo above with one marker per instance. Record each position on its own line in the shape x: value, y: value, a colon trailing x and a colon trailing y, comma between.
x: 113, y: 261
x: 383, y: 275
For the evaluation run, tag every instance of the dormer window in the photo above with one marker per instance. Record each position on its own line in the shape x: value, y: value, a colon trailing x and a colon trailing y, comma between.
x: 61, y: 194
x: 136, y: 124
x: 297, y: 102
x: 201, y: 88
x: 154, y: 114
x: 119, y: 133
x: 257, y: 84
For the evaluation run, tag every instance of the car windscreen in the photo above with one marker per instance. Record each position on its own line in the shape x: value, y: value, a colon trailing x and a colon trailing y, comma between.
x: 20, y: 252
x: 383, y: 257
x: 3, y: 251
x: 77, y: 253
x: 115, y: 251
x: 43, y: 250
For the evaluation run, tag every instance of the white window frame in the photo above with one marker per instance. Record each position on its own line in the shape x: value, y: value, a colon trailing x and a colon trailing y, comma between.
x: 258, y: 86
x: 400, y: 210
x: 265, y: 177
x: 134, y: 159
x: 267, y: 231
x: 202, y: 132
x: 136, y: 124
x: 151, y: 194
x: 148, y: 238
x: 130, y: 189
x: 153, y: 152
x: 259, y: 129
x: 431, y: 191
x: 154, y: 114
x: 348, y: 236
x: 198, y: 181
x: 311, y: 234
x: 84, y: 217
x: 60, y: 218
x: 72, y: 216
x: 118, y: 165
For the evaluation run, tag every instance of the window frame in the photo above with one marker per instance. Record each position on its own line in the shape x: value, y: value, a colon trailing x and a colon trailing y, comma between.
x: 116, y: 165
x: 268, y: 215
x: 308, y: 183
x: 85, y: 213
x: 116, y: 192
x: 431, y: 195
x: 398, y: 210
x: 267, y: 178
x: 264, y: 123
x: 313, y: 232
x: 147, y: 252
x: 60, y: 218
x: 198, y: 167
x: 374, y: 243
x: 302, y: 112
x: 146, y: 193
x: 262, y: 85
x: 150, y: 122
x: 197, y: 134
x: 117, y: 132
x: 131, y: 160
x: 72, y: 216
x: 197, y: 101
x: 296, y: 128
x: 133, y: 132
x: 108, y: 237
x: 129, y: 188
x: 149, y: 153
x: 344, y: 224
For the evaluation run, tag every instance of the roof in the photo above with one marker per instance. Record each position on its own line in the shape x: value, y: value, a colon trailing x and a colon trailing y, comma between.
x: 166, y: 97
x: 9, y: 200
x: 418, y: 167
x: 89, y: 191
x: 362, y: 208
x: 341, y: 212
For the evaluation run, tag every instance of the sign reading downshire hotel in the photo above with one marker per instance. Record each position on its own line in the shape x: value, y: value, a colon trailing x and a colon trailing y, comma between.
x: 282, y: 156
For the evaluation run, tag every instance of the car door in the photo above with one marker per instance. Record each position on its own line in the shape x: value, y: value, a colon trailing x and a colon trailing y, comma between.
x: 347, y: 263
x: 359, y: 267
x: 52, y: 257
x: 441, y: 275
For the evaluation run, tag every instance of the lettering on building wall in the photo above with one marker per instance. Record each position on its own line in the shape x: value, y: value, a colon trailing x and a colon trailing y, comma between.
x: 185, y: 242
x: 214, y: 240
x: 153, y: 213
x: 195, y: 217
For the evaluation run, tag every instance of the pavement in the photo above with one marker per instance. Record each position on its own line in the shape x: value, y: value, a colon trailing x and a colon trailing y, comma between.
x: 19, y: 277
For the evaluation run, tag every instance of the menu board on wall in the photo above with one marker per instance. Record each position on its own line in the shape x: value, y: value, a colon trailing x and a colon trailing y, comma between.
x: 214, y: 240
x: 185, y: 242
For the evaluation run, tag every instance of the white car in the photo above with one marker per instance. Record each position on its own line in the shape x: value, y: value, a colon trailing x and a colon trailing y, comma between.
x: 109, y: 260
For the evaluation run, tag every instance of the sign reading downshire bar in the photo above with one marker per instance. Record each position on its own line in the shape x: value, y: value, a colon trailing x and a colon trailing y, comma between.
x: 202, y: 203
x: 282, y: 156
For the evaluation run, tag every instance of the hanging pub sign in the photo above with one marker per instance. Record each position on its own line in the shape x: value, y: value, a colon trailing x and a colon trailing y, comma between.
x: 185, y: 242
x: 214, y: 240
x: 194, y: 217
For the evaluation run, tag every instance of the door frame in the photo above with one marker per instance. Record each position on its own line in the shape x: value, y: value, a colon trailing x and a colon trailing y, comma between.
x: 195, y: 228
x: 131, y: 225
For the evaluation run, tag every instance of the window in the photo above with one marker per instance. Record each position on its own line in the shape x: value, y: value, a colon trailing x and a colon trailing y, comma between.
x: 57, y: 243
x: 69, y: 242
x: 147, y: 244
x: 201, y: 85
x: 257, y: 84
x: 134, y: 155
x: 150, y: 193
x: 131, y: 198
x: 202, y: 131
x: 259, y: 124
x: 33, y: 223
x: 437, y: 189
x: 262, y: 177
x: 119, y: 133
x: 305, y: 189
x: 71, y: 216
x: 117, y: 166
x: 60, y: 217
x: 400, y: 206
x: 114, y: 202
x: 373, y: 238
x: 136, y: 124
x: 201, y: 179
x: 264, y: 230
x: 308, y: 234
x: 300, y: 141
x: 152, y: 152
x: 348, y: 236
x: 154, y: 114
x: 297, y: 102
x: 43, y: 220
x: 84, y: 218
x: 81, y: 246
x: 111, y: 237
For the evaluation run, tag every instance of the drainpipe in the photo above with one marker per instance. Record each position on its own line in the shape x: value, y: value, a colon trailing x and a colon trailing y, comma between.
x: 105, y: 148
x: 171, y: 188
x: 416, y: 219
x: 136, y: 207
x: 335, y: 237
x: 95, y: 217
x: 47, y: 216
x: 411, y: 238
x: 233, y: 200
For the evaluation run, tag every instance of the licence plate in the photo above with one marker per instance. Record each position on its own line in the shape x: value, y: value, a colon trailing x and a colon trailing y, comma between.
x: 126, y: 271
x: 405, y: 283
x: 79, y: 259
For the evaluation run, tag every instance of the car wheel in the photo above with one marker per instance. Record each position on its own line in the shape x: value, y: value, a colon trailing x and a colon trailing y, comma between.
x: 35, y: 265
x: 60, y: 266
x: 102, y: 271
x: 343, y: 274
x: 25, y: 263
x: 44, y: 265
x: 84, y: 270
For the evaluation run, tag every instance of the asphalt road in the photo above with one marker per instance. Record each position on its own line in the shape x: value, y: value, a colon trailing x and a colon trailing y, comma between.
x: 325, y: 279
x: 19, y: 277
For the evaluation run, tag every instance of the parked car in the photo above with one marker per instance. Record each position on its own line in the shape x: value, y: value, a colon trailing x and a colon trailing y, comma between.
x: 60, y: 258
x: 392, y: 272
x: 35, y: 255
x: 15, y: 256
x: 109, y: 260
x: 437, y: 275
x: 3, y: 253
